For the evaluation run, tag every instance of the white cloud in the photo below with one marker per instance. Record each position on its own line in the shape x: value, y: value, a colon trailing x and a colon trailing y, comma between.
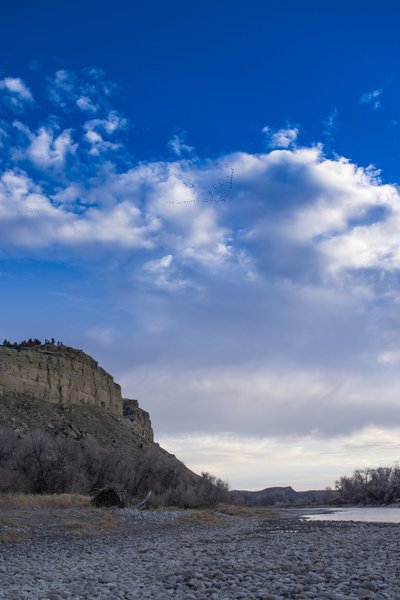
x: 102, y: 335
x: 304, y: 462
x: 245, y: 399
x: 122, y: 226
x: 286, y: 314
x: 16, y: 94
x: 275, y: 275
x: 163, y: 274
x: 331, y: 123
x: 86, y: 104
x: 390, y: 357
x: 112, y: 123
x: 15, y: 85
x: 339, y: 216
x: 156, y: 266
x: 96, y: 128
x: 372, y: 98
x: 62, y: 88
x: 50, y: 150
x: 3, y: 137
x: 340, y: 213
x: 178, y: 146
x: 283, y: 138
x: 28, y: 219
x: 44, y: 148
x: 86, y: 90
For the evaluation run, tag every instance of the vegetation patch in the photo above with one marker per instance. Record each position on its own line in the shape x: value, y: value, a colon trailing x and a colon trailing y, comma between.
x: 206, y: 517
x: 248, y: 511
x: 42, y: 465
x: 40, y: 501
x: 11, y: 537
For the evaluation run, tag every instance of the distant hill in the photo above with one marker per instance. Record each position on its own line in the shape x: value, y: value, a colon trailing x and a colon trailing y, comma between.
x: 283, y: 496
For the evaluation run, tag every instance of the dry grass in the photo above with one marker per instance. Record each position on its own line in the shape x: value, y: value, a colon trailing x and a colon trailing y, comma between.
x: 207, y: 517
x: 76, y: 527
x: 8, y: 522
x: 11, y: 537
x: 38, y: 501
x: 98, y: 524
x: 248, y: 511
x: 215, y: 516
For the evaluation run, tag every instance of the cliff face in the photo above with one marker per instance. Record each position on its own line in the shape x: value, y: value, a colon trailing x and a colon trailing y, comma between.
x: 68, y: 378
x: 138, y: 419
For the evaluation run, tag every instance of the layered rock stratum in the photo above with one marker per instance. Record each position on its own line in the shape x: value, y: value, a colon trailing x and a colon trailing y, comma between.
x: 60, y: 389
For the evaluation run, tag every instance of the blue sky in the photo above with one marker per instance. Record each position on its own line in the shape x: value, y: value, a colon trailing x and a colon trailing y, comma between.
x: 205, y: 198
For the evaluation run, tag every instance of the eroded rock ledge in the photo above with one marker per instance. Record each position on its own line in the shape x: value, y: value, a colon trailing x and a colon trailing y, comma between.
x: 67, y: 377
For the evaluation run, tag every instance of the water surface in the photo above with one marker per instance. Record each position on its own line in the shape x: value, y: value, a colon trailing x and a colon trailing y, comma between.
x: 376, y: 514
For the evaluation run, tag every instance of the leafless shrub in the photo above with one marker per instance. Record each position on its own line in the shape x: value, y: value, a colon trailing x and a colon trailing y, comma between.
x: 40, y: 463
x: 8, y: 443
x: 370, y: 486
x: 13, y: 482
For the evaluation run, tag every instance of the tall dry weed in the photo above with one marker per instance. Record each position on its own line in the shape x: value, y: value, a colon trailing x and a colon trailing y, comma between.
x: 40, y: 501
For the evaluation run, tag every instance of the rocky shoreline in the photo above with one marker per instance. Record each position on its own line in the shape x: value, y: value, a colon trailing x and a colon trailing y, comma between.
x: 168, y: 554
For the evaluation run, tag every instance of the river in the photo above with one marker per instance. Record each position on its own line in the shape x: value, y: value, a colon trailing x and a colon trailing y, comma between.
x: 370, y: 514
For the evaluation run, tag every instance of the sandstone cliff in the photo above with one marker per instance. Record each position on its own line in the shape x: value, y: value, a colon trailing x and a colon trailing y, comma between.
x: 69, y: 380
x: 55, y: 393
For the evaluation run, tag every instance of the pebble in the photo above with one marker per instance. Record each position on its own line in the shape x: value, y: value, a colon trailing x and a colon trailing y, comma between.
x: 242, y: 559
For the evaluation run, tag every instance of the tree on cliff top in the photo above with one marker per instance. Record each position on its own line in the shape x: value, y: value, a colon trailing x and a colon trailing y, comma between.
x: 30, y: 343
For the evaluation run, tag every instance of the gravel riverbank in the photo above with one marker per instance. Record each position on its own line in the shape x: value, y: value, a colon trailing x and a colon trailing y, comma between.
x: 163, y: 556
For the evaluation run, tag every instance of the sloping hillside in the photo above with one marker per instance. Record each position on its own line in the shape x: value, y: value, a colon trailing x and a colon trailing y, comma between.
x: 282, y: 496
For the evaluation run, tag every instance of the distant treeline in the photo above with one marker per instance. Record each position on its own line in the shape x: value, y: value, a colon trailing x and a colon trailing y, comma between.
x: 31, y: 342
x: 40, y: 463
x: 370, y: 486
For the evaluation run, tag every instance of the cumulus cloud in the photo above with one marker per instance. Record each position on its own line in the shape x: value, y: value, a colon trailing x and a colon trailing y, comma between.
x: 29, y: 219
x: 280, y: 296
x: 283, y: 138
x: 50, y: 150
x: 309, y: 216
x: 45, y: 148
x: 96, y: 129
x: 15, y: 93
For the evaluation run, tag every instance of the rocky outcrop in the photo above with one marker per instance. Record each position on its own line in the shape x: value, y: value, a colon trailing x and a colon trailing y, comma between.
x: 58, y: 392
x: 68, y: 378
x: 138, y: 418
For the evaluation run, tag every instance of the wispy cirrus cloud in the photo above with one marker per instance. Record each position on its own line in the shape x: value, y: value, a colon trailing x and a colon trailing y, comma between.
x: 86, y: 90
x: 330, y: 124
x: 372, y: 98
x: 178, y: 146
